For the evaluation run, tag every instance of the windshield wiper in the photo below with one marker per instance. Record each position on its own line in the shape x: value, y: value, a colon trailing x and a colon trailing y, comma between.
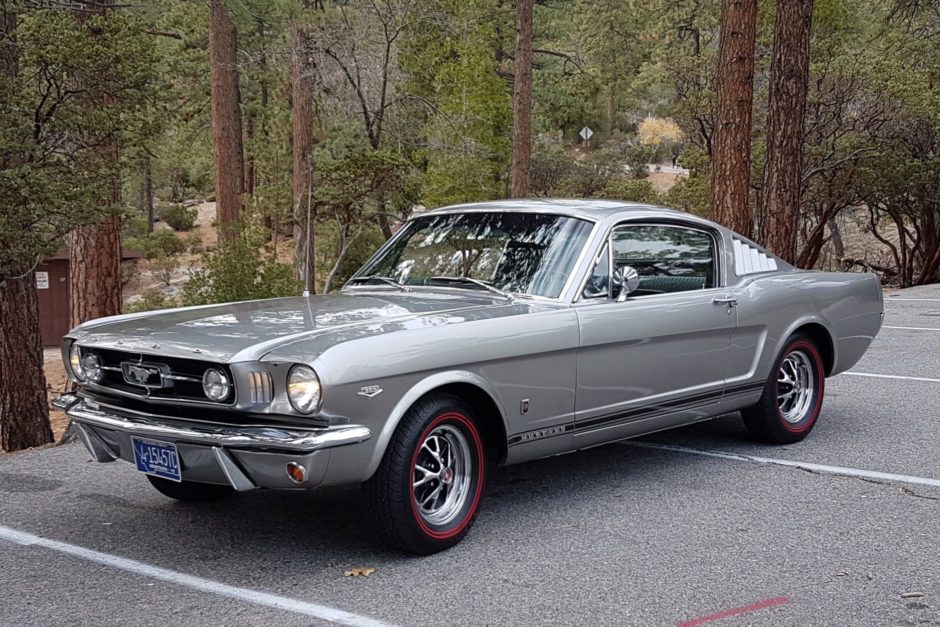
x: 464, y: 280
x: 380, y: 279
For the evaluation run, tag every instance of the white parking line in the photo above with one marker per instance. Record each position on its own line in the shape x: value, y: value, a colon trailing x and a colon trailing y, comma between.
x: 932, y: 300
x: 198, y: 583
x: 822, y: 468
x: 912, y: 328
x: 890, y: 376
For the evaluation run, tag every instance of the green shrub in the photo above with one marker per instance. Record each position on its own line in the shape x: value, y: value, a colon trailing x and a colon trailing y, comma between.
x: 193, y: 244
x: 550, y: 165
x: 364, y: 246
x: 693, y: 193
x: 636, y: 158
x: 633, y: 190
x: 134, y: 224
x: 179, y: 218
x: 165, y: 268
x: 160, y: 243
x: 240, y: 268
x: 149, y: 300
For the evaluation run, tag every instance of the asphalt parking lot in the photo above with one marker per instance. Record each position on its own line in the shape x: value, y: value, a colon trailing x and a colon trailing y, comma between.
x: 841, y: 529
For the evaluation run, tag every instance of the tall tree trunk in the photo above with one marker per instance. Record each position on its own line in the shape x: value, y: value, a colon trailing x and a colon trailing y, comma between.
x: 786, y: 113
x: 303, y: 74
x: 148, y: 193
x: 95, y: 270
x: 611, y: 109
x: 731, y: 147
x: 835, y: 236
x: 95, y: 249
x: 24, y: 409
x: 250, y: 155
x: 9, y: 52
x: 522, y: 103
x: 226, y: 118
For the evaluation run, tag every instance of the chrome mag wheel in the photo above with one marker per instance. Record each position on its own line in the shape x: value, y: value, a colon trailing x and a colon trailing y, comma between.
x: 442, y: 477
x: 795, y: 386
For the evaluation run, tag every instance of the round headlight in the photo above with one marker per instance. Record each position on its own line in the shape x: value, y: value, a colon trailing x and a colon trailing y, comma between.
x: 216, y: 385
x: 75, y: 362
x: 303, y: 389
x: 91, y: 368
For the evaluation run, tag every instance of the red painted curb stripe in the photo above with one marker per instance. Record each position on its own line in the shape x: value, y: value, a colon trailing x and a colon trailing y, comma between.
x: 735, y: 611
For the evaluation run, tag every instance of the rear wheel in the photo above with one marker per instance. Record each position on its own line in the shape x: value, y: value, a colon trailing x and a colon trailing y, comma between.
x: 425, y: 495
x: 190, y: 491
x: 792, y: 398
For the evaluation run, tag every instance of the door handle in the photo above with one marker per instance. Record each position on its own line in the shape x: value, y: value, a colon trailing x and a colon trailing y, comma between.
x: 731, y: 301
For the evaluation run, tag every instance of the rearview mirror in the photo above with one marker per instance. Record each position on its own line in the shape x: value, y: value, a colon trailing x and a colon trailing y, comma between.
x: 628, y: 279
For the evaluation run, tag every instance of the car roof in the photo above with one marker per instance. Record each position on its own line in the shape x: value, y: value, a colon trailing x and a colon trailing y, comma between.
x: 589, y: 208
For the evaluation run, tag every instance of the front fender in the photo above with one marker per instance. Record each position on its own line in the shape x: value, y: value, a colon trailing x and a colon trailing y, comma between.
x: 424, y: 386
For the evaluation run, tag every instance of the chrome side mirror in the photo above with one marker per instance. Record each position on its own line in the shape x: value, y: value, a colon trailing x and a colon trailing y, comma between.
x: 628, y: 279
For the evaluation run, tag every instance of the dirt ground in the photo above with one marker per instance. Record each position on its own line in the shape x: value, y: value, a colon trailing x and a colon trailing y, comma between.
x: 56, y: 383
x: 662, y: 182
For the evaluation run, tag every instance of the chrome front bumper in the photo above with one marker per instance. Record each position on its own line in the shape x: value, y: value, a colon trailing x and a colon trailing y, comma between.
x: 243, y: 457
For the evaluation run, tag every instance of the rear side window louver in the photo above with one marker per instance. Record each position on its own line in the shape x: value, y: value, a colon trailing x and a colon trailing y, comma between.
x: 749, y: 260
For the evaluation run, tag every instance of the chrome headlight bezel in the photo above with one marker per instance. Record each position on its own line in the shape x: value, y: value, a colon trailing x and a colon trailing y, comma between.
x: 74, y: 363
x: 303, y: 389
x: 216, y: 385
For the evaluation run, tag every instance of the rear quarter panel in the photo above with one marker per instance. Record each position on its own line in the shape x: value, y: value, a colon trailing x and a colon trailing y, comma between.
x: 772, y: 307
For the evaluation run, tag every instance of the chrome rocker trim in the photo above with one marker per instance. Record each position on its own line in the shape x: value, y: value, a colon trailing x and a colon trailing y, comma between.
x: 268, y: 438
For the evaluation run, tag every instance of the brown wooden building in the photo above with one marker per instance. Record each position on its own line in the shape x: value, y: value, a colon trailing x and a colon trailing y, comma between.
x: 52, y: 284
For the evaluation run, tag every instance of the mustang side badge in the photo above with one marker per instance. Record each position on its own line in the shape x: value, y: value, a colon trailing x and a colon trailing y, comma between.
x: 370, y: 391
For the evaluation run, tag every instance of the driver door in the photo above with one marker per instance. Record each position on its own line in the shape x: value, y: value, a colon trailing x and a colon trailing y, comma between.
x: 659, y: 358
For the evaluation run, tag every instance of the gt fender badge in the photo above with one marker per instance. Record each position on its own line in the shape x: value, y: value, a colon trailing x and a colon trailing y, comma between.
x: 370, y: 391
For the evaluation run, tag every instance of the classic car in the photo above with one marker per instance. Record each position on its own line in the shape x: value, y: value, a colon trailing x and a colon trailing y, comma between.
x: 480, y: 334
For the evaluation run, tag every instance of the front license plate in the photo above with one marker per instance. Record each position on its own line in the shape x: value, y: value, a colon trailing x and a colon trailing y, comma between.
x: 159, y: 459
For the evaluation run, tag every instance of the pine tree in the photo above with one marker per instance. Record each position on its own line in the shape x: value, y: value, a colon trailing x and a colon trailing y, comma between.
x: 226, y: 118
x: 731, y: 145
x: 786, y: 113
x: 522, y: 103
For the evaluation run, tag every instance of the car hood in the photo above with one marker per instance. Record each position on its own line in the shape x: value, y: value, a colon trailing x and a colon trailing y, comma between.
x: 248, y: 330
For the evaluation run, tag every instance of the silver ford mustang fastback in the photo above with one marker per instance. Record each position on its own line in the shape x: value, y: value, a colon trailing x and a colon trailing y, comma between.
x: 480, y: 334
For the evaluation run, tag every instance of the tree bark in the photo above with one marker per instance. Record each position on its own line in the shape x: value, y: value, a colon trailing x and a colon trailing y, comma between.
x: 731, y: 144
x: 24, y: 409
x: 226, y: 119
x: 522, y: 103
x: 786, y: 113
x: 95, y: 270
x: 95, y: 249
x: 303, y: 110
x: 250, y: 175
x: 611, y: 110
x: 148, y: 193
x: 9, y: 52
x: 835, y: 236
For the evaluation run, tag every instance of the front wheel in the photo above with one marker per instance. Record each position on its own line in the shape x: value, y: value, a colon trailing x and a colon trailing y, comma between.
x: 425, y: 495
x: 792, y: 398
x: 190, y: 491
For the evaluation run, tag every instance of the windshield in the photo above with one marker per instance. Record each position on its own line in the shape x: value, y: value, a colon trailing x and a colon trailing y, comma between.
x: 522, y: 253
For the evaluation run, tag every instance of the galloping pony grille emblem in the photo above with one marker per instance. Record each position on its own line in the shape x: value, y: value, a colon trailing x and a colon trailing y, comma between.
x: 145, y: 375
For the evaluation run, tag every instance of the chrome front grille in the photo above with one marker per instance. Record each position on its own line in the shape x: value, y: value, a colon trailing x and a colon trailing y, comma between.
x: 260, y: 387
x: 178, y: 379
